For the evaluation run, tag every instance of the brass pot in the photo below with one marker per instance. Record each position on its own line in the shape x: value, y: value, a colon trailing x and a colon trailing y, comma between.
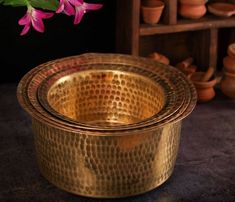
x: 106, y: 125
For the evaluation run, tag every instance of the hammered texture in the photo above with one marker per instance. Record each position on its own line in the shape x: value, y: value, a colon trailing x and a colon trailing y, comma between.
x: 180, y: 94
x: 164, y: 91
x: 106, y: 166
x: 106, y: 125
x: 106, y: 97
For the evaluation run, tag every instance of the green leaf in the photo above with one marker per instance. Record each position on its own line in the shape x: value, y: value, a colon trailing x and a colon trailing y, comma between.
x: 14, y: 2
x: 45, y: 4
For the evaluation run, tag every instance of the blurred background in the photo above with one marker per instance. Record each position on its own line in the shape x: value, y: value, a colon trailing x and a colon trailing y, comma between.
x: 19, y: 54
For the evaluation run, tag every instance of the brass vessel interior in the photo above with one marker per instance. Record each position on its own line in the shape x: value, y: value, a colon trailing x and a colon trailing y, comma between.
x: 106, y: 97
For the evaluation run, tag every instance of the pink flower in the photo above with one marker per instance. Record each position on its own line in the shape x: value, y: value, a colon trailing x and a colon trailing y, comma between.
x: 81, y: 8
x: 34, y: 17
x: 66, y: 6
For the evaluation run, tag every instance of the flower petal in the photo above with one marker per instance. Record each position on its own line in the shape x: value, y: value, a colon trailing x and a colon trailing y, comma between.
x: 79, y: 14
x: 25, y: 30
x: 24, y: 20
x: 89, y: 6
x: 76, y: 2
x: 38, y: 25
x: 41, y: 14
x: 68, y: 8
x: 61, y: 7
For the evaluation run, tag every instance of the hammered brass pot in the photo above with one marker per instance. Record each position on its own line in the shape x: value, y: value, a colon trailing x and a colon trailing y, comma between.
x: 106, y: 125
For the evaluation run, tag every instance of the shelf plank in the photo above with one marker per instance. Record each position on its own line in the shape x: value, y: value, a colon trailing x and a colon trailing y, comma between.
x: 207, y: 22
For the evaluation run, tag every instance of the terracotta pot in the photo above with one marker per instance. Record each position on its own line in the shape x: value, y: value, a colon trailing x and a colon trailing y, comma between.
x: 222, y: 9
x: 159, y: 57
x: 193, y: 2
x: 192, y: 11
x: 205, y: 89
x: 229, y: 64
x: 231, y: 50
x: 227, y: 84
x: 152, y: 11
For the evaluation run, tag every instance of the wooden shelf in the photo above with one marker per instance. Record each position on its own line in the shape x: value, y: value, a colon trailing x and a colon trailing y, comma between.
x: 208, y: 22
x: 204, y: 39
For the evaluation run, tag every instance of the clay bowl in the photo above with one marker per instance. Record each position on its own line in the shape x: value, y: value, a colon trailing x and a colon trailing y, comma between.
x: 231, y: 50
x: 152, y: 11
x: 229, y: 64
x: 205, y: 89
x: 193, y: 2
x: 192, y: 11
x: 222, y: 9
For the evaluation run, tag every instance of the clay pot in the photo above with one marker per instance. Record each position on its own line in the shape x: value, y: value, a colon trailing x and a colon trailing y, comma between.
x: 192, y: 11
x: 221, y: 9
x: 231, y: 50
x: 193, y: 2
x: 159, y: 57
x: 205, y: 89
x: 229, y: 64
x: 227, y: 84
x: 151, y: 11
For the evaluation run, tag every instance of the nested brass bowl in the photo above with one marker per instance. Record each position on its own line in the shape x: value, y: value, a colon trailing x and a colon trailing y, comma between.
x: 106, y: 125
x: 104, y: 97
x: 109, y: 94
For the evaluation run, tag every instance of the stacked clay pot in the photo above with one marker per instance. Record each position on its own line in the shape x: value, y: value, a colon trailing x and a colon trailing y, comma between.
x: 228, y: 81
x: 192, y: 9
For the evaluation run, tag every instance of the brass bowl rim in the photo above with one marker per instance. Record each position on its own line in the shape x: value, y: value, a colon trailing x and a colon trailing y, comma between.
x: 42, y: 92
x: 26, y: 104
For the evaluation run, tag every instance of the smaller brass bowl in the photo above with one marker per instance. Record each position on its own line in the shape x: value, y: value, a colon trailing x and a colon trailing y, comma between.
x: 109, y: 89
x: 105, y: 97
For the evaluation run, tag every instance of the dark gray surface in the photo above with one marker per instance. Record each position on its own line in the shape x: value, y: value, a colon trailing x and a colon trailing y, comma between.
x: 204, y: 171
